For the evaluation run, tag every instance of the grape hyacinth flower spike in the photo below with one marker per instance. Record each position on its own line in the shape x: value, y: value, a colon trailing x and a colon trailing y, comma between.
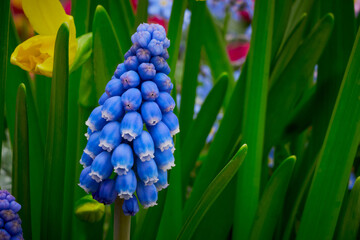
x: 10, y: 222
x: 130, y: 134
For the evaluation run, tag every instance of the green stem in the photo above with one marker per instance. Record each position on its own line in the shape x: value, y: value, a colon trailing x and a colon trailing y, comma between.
x: 122, y: 223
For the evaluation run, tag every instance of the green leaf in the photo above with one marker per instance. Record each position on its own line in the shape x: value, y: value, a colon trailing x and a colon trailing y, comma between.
x: 258, y: 67
x: 284, y: 94
x: 271, y: 203
x: 89, y: 210
x: 122, y: 16
x: 286, y: 53
x: 349, y: 222
x: 21, y: 162
x: 191, y: 68
x: 141, y: 13
x: 106, y: 50
x: 4, y: 45
x: 200, y: 128
x: 215, y: 48
x: 336, y: 157
x: 55, y: 150
x: 212, y: 193
x: 84, y: 51
x: 16, y: 76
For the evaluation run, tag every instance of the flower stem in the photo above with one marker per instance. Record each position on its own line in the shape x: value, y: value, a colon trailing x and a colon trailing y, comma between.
x: 121, y: 222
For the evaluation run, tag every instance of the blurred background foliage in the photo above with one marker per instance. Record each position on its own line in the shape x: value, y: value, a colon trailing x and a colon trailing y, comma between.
x: 281, y: 76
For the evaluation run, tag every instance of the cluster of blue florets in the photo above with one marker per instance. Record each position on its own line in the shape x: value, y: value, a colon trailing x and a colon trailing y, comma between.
x: 130, y: 145
x: 10, y: 222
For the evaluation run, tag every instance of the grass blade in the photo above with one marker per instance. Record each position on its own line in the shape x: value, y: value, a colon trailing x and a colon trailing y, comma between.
x: 348, y: 224
x: 141, y: 13
x: 4, y: 45
x: 335, y: 159
x: 21, y: 162
x: 201, y: 126
x: 271, y: 203
x: 258, y: 67
x: 84, y: 51
x: 55, y: 151
x: 106, y: 50
x: 192, y: 65
x: 212, y: 193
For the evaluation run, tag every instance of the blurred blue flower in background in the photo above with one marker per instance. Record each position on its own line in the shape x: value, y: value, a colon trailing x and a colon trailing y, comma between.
x: 352, y: 180
x: 160, y: 8
x: 123, y: 158
x: 218, y: 7
x: 10, y: 222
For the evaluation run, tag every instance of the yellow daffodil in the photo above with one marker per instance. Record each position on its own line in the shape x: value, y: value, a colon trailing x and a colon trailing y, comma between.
x: 37, y: 53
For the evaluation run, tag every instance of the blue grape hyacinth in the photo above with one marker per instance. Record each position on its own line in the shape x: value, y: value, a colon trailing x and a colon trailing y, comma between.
x: 10, y: 222
x: 130, y: 135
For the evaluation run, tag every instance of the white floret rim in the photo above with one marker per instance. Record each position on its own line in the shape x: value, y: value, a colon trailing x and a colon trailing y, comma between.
x: 90, y: 125
x: 125, y: 195
x: 161, y: 187
x: 106, y: 146
x: 128, y: 134
x: 168, y: 166
x: 88, y: 152
x: 166, y: 145
x: 107, y: 116
x: 146, y: 156
x: 96, y: 176
x: 84, y: 187
x: 121, y: 169
x: 149, y: 181
x: 150, y: 204
x: 175, y: 131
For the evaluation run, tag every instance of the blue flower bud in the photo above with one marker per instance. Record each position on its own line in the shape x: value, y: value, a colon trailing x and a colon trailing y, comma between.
x: 147, y: 71
x: 130, y: 206
x: 8, y: 215
x: 112, y: 109
x: 131, y: 63
x: 147, y: 171
x: 128, y: 54
x: 165, y: 54
x: 147, y: 194
x: 143, y: 38
x: 120, y: 69
x: 144, y: 146
x: 143, y: 55
x: 106, y: 193
x: 86, y: 181
x: 103, y: 98
x: 151, y: 113
x: 92, y: 147
x: 101, y: 168
x: 131, y: 99
x: 159, y: 35
x: 149, y: 91
x: 142, y: 27
x: 122, y: 159
x: 4, y: 235
x: 163, y: 82
x: 158, y: 27
x: 86, y: 160
x: 163, y: 180
x: 130, y: 79
x: 13, y: 227
x: 172, y: 122
x: 165, y: 102
x: 164, y: 159
x: 95, y: 122
x: 125, y: 185
x: 110, y: 136
x: 160, y: 133
x: 166, y: 43
x: 160, y: 64
x: 155, y: 47
x: 114, y: 87
x: 131, y: 126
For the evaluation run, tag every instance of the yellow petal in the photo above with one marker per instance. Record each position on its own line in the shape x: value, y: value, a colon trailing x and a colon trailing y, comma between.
x: 46, y: 16
x: 37, y: 54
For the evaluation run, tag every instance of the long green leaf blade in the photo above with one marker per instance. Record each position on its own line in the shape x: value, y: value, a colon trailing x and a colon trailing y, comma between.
x: 106, y: 50
x: 21, y: 162
x: 192, y: 65
x: 4, y: 44
x: 141, y: 12
x: 55, y: 150
x: 336, y: 157
x: 199, y: 130
x: 348, y: 224
x: 248, y: 184
x: 271, y: 203
x: 212, y: 193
